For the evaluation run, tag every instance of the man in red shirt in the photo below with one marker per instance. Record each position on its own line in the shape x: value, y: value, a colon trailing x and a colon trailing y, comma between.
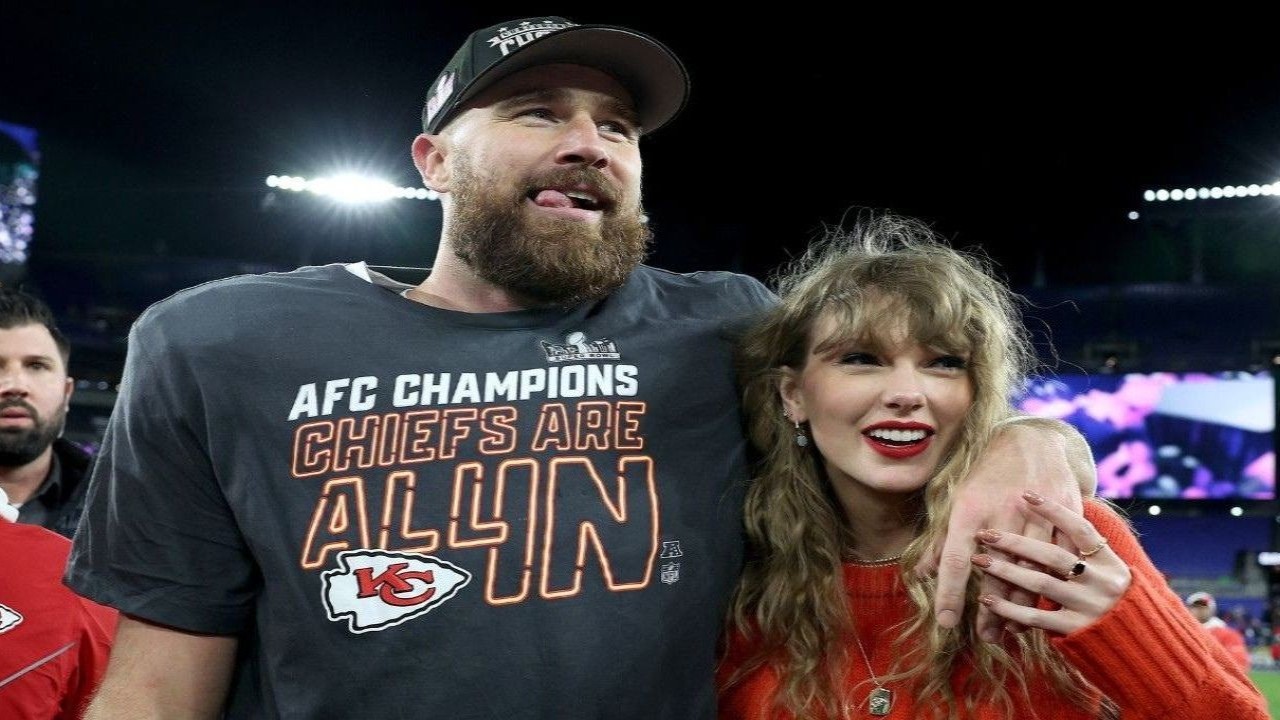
x: 53, y: 643
x: 1205, y: 609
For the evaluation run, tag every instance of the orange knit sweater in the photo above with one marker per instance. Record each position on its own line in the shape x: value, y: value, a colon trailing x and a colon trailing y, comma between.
x: 1148, y: 654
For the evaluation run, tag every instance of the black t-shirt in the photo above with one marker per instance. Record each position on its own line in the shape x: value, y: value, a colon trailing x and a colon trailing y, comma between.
x: 406, y: 511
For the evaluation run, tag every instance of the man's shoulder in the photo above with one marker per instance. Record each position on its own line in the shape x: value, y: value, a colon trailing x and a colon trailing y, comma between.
x: 300, y: 279
x: 742, y: 291
x: 70, y: 454
x: 1225, y: 633
x: 260, y: 292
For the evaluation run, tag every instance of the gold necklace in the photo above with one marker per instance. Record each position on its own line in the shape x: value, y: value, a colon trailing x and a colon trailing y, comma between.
x: 880, y: 700
x: 855, y: 560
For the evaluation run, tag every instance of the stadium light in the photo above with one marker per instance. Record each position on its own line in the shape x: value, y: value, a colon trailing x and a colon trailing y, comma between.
x: 1216, y: 193
x: 350, y: 188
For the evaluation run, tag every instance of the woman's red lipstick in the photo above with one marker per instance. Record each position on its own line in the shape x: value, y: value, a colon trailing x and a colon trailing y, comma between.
x: 899, y: 449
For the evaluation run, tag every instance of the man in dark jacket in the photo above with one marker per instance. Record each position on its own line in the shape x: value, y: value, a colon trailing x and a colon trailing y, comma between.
x: 43, y: 474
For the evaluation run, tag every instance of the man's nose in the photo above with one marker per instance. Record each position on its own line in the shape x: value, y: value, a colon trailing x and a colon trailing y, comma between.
x: 581, y: 143
x: 12, y: 384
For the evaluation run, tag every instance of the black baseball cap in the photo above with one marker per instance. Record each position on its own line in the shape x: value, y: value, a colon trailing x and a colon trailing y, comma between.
x: 653, y: 74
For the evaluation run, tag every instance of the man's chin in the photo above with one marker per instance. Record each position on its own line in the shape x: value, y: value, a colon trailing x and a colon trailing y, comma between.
x: 559, y: 231
x: 555, y: 289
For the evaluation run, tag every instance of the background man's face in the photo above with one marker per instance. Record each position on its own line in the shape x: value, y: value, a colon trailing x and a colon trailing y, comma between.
x: 34, y: 391
x: 1201, y: 611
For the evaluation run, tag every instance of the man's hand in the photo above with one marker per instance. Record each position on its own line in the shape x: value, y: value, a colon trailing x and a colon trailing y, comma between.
x: 1046, y: 456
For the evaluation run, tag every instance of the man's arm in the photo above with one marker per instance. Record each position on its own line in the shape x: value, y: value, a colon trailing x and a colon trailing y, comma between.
x: 1026, y: 453
x: 159, y: 673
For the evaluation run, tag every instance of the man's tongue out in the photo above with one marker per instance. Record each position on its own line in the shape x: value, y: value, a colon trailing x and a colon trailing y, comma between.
x: 553, y: 199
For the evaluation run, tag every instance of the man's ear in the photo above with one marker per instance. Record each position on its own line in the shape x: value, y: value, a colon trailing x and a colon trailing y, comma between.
x: 792, y: 398
x: 429, y: 153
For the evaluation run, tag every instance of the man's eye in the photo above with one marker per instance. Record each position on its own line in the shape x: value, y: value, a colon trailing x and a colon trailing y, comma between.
x: 617, y: 127
x: 539, y: 113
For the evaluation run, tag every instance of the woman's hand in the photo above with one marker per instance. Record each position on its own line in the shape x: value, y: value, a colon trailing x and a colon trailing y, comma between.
x: 1048, y: 457
x: 1086, y: 584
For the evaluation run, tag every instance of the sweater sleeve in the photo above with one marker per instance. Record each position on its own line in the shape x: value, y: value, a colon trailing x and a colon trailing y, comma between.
x: 1148, y: 654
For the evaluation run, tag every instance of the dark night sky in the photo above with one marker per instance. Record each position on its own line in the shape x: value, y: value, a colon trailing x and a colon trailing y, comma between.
x: 1027, y: 136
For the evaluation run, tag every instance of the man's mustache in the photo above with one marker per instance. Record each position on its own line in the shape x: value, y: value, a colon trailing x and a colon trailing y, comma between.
x: 20, y: 403
x: 583, y: 178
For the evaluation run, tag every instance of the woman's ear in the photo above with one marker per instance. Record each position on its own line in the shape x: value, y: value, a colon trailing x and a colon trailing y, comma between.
x: 792, y: 398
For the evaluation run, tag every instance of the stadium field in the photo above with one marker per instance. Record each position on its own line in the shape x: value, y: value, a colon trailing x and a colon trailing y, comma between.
x: 1268, y: 681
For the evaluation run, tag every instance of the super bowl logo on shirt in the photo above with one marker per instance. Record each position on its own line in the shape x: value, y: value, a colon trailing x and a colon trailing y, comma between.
x: 374, y: 590
x: 577, y: 347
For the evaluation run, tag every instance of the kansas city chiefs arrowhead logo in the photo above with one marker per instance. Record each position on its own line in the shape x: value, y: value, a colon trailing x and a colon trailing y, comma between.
x: 375, y: 589
x: 9, y: 618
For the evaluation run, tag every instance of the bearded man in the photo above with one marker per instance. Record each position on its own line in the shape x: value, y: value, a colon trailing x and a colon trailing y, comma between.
x: 42, y: 473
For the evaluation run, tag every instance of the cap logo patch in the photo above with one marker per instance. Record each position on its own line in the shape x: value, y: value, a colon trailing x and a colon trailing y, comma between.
x: 514, y: 38
x: 440, y: 95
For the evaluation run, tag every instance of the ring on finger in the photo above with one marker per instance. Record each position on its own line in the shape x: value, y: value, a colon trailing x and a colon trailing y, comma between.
x: 1091, y: 551
x: 1076, y: 570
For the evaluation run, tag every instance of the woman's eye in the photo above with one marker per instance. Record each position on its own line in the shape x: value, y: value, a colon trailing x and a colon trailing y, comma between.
x: 858, y: 358
x: 951, y: 362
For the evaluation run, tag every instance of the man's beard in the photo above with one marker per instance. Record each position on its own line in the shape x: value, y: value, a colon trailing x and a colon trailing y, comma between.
x: 547, y: 260
x: 19, y: 447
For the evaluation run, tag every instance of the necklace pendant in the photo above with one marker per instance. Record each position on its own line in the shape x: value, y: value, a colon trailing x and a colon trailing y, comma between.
x: 880, y: 701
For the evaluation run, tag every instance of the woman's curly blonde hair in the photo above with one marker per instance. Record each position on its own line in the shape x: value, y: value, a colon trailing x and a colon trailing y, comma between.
x: 791, y: 601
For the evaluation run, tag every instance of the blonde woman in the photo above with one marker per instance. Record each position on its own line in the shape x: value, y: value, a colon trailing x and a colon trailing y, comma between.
x: 872, y: 389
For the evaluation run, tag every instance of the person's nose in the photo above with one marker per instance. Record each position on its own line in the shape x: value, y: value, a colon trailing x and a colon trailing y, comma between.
x: 581, y: 143
x: 12, y: 383
x: 904, y: 394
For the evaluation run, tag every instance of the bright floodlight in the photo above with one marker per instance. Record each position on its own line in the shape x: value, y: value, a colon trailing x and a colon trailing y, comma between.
x: 1154, y: 510
x: 1237, y: 511
x: 351, y: 188
x: 1133, y: 214
x: 1205, y: 193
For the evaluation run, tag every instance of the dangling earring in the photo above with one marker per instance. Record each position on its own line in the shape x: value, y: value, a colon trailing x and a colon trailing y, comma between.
x: 802, y: 439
